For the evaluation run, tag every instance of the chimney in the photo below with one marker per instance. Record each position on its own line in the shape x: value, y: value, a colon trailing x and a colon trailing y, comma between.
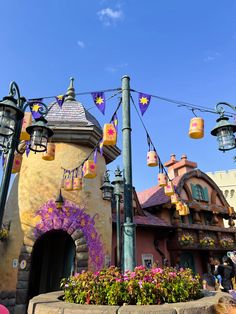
x: 178, y: 168
x: 169, y: 164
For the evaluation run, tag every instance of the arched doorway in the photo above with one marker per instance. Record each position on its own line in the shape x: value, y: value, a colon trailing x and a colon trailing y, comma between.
x: 53, y: 258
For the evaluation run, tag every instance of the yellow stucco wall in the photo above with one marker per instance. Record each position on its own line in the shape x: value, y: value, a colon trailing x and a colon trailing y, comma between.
x: 39, y: 181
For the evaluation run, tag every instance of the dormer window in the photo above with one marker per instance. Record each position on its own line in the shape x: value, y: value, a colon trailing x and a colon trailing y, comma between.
x: 199, y: 193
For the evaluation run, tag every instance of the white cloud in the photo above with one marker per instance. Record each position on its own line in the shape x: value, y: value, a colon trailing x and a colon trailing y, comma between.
x: 113, y: 69
x: 109, y: 16
x: 212, y: 57
x: 81, y: 44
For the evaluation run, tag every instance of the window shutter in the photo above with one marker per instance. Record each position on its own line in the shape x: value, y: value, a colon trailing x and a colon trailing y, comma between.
x: 194, y: 191
x: 205, y: 194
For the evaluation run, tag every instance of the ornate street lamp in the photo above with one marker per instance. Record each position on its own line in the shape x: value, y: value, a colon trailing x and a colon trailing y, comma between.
x: 114, y: 191
x: 12, y: 110
x: 107, y: 188
x: 224, y: 131
x: 39, y: 134
x: 59, y: 200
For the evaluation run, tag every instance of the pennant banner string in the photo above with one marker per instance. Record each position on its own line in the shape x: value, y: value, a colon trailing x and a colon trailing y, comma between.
x: 79, y: 94
x: 186, y: 104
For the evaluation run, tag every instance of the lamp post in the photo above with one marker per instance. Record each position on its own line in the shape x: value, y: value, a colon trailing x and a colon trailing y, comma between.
x: 224, y: 131
x: 129, y: 226
x: 115, y: 190
x: 12, y: 109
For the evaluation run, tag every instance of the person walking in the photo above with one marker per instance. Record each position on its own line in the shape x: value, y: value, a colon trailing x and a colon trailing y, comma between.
x: 226, y: 271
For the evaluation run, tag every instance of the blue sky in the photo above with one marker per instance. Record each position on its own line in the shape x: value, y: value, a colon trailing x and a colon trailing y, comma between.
x: 181, y: 50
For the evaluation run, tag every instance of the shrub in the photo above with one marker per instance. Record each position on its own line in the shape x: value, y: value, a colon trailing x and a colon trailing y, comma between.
x: 141, y: 286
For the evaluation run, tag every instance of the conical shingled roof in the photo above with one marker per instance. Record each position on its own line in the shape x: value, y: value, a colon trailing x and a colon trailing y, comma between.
x: 72, y: 112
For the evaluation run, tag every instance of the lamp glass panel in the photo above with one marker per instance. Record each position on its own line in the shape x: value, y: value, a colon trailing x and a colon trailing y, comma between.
x: 7, y: 121
x: 39, y: 139
x: 107, y: 194
x: 226, y: 138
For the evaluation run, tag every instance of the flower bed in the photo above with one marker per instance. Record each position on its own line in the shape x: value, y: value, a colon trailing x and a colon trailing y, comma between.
x: 142, y: 286
x: 207, y: 242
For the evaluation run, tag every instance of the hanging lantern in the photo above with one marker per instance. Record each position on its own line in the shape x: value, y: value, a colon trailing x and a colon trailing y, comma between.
x: 196, y: 128
x: 50, y: 152
x: 27, y: 120
x: 16, y: 163
x: 174, y: 198
x: 186, y: 209
x: 169, y: 189
x: 162, y: 179
x: 89, y: 169
x: 68, y: 182
x: 179, y: 206
x: 77, y: 183
x: 109, y: 134
x: 152, y: 160
x: 224, y: 131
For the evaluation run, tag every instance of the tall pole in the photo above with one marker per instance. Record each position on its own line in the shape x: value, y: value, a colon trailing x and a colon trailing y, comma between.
x: 129, y: 260
x: 6, y: 176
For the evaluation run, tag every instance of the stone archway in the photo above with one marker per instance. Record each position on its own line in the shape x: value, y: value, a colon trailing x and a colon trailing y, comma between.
x: 78, y: 224
x: 25, y: 258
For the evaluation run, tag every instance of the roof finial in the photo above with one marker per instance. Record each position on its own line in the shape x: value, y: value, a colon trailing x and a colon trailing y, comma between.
x: 70, y: 95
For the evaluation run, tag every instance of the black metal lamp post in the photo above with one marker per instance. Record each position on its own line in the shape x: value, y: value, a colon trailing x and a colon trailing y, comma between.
x: 110, y: 191
x: 224, y: 131
x: 12, y: 110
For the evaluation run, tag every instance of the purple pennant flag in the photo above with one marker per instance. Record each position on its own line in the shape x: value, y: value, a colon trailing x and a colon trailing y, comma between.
x: 35, y: 108
x: 143, y: 101
x: 99, y: 100
x: 27, y: 150
x: 60, y: 100
x: 95, y: 155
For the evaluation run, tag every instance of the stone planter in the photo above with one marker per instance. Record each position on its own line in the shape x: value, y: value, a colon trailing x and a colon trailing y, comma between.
x: 51, y: 303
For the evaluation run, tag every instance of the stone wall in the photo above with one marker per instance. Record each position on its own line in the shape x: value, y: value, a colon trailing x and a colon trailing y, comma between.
x: 8, y: 299
x: 50, y: 303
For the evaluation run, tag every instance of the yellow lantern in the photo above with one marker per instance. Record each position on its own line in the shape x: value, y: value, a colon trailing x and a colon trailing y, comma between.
x: 77, y: 184
x: 16, y: 163
x: 27, y: 120
x: 174, y: 198
x: 169, y: 189
x: 68, y: 182
x: 196, y: 128
x: 179, y: 206
x: 50, y: 152
x: 89, y: 169
x: 109, y: 134
x: 186, y: 209
x: 162, y: 179
x: 152, y: 160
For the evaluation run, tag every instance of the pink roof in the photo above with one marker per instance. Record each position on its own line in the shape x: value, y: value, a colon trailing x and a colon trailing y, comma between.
x: 146, y: 220
x: 155, y: 195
